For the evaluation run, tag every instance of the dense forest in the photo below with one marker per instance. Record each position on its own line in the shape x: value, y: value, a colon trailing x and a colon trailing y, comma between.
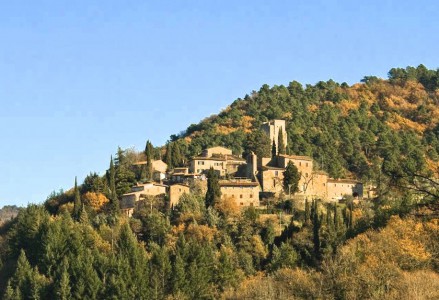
x: 77, y: 245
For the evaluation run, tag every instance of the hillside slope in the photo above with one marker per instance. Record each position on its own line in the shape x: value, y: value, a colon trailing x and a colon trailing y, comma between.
x: 348, y: 130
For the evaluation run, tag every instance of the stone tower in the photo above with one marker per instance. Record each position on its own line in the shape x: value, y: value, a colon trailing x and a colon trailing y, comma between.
x: 272, y: 129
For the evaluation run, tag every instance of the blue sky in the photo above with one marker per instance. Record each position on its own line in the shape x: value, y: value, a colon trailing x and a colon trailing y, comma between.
x: 80, y: 78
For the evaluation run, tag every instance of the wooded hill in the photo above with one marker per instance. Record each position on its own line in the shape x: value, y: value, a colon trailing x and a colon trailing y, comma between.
x: 79, y: 246
x: 348, y: 130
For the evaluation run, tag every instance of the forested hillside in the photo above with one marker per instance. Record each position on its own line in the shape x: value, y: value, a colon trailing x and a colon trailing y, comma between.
x: 78, y: 244
x: 348, y: 130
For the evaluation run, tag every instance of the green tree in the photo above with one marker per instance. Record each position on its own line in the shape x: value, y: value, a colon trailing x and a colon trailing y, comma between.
x: 291, y: 178
x: 168, y: 156
x: 62, y: 283
x: 259, y: 143
x: 273, y: 149
x: 77, y: 205
x: 213, y: 193
x: 280, y: 142
x: 114, y: 201
x: 149, y: 156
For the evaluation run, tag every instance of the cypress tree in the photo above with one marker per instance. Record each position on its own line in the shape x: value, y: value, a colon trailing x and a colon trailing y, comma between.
x: 316, y: 222
x: 307, y: 212
x: 213, y: 193
x: 148, y: 153
x: 77, y: 202
x: 273, y: 149
x: 280, y: 142
x: 114, y: 202
x: 177, y: 158
x: 168, y: 156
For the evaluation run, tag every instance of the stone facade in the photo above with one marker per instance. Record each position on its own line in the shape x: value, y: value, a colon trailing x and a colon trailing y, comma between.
x: 175, y: 192
x: 146, y: 189
x: 218, y: 158
x: 245, y: 193
x: 272, y: 129
x: 338, y: 188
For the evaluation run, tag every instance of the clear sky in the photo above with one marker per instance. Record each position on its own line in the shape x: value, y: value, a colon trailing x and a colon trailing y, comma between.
x: 80, y: 78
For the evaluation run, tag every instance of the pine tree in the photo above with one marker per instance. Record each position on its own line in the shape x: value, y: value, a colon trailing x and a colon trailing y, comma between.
x: 213, y: 193
x: 77, y: 206
x: 280, y: 142
x: 62, y: 282
x: 178, y: 275
x: 10, y: 294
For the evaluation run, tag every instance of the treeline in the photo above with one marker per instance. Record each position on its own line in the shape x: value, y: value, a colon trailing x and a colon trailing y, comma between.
x: 212, y: 250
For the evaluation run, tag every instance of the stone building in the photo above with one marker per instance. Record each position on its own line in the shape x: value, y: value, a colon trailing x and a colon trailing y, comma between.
x: 245, y: 193
x: 218, y: 158
x: 272, y: 129
x: 338, y: 188
x: 128, y: 201
x: 175, y: 192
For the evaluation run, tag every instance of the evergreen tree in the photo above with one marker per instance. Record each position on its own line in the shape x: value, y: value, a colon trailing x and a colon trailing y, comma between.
x: 77, y: 206
x: 259, y: 143
x: 62, y: 283
x: 291, y: 178
x: 280, y: 142
x: 124, y: 176
x: 273, y: 149
x: 149, y: 156
x: 114, y: 202
x: 307, y: 212
x: 316, y: 222
x: 177, y: 157
x: 179, y: 275
x: 168, y: 156
x: 213, y: 193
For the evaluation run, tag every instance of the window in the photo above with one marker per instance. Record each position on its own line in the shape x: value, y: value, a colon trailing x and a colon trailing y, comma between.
x: 307, y: 164
x: 251, y: 195
x: 276, y: 173
x: 300, y: 163
x: 241, y: 204
x: 240, y: 196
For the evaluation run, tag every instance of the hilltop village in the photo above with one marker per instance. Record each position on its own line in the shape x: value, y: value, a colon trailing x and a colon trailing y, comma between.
x: 247, y: 180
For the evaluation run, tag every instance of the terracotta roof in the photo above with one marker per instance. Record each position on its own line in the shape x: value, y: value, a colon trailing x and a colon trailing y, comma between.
x: 208, y: 158
x: 238, y: 183
x: 296, y: 157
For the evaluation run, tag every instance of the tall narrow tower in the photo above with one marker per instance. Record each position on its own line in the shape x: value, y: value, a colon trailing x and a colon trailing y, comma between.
x: 272, y: 129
